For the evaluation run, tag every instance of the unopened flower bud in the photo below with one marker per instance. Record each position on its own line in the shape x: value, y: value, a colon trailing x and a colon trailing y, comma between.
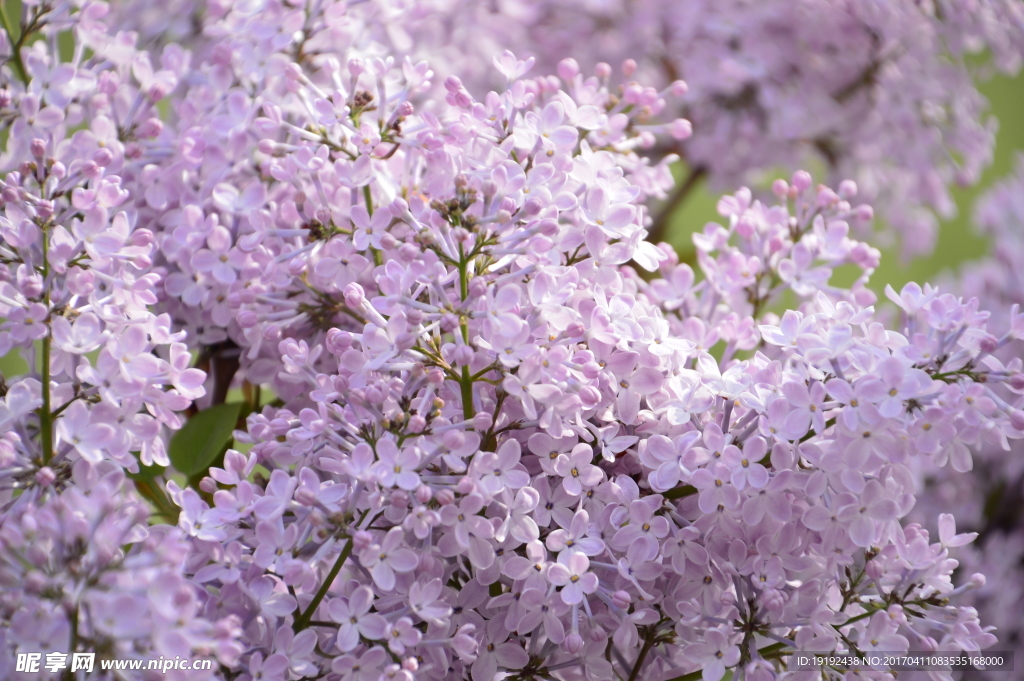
x: 482, y: 421
x: 416, y: 424
x: 680, y: 129
x: 445, y: 496
x: 568, y: 69
x: 802, y: 180
x: 400, y: 498
x: 465, y: 486
x: 621, y: 599
x: 45, y: 476
x: 38, y: 147
x: 354, y: 295
x: 573, y: 643
x: 103, y: 157
x: 361, y: 540
x: 338, y: 341
x: 602, y: 70
x: 423, y: 494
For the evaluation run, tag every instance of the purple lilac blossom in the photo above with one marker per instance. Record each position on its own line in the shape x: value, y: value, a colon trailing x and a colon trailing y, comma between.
x: 503, y: 446
x: 881, y: 92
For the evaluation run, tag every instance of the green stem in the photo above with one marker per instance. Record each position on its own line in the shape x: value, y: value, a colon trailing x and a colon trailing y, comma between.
x: 466, y: 382
x: 648, y: 644
x: 303, y: 620
x: 19, y: 65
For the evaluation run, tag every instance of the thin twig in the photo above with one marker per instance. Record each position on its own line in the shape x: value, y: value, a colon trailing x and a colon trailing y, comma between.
x: 656, y: 233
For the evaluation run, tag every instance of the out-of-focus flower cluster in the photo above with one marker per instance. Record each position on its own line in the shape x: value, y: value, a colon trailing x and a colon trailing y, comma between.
x: 987, y: 501
x: 880, y: 92
x: 497, y: 448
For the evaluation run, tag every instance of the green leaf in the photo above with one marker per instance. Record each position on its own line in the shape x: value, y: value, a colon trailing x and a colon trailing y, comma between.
x: 194, y: 447
x: 679, y: 492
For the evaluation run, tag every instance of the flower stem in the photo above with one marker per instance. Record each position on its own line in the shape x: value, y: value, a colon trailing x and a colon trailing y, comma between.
x: 648, y: 644
x: 302, y: 621
x: 659, y: 227
x: 19, y: 65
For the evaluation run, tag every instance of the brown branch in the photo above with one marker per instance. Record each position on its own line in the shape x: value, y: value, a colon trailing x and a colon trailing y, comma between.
x: 656, y: 233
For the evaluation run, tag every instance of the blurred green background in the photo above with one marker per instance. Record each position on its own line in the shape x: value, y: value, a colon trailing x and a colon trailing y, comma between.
x: 958, y: 241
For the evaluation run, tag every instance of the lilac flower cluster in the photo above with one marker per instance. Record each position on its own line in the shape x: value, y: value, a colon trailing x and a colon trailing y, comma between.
x: 988, y: 501
x: 880, y: 92
x: 107, y: 374
x: 497, y: 449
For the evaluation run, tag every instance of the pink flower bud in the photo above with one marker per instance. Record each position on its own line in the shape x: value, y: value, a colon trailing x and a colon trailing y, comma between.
x: 568, y: 69
x: 361, y: 540
x: 45, y: 476
x: 621, y: 599
x: 38, y: 147
x: 864, y: 212
x: 445, y: 496
x: 602, y: 70
x: 435, y: 375
x: 408, y: 252
x: 591, y: 370
x: 248, y: 319
x: 477, y: 287
x: 400, y: 498
x: 103, y: 157
x: 573, y: 643
x: 452, y: 84
x: 354, y: 295
x: 482, y: 421
x: 465, y: 486
x: 802, y: 180
x: 680, y: 129
x: 416, y: 424
x: 628, y: 68
x: 423, y: 494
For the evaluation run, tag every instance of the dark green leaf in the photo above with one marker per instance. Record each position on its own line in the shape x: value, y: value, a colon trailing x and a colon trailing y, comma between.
x: 197, y: 444
x: 680, y: 492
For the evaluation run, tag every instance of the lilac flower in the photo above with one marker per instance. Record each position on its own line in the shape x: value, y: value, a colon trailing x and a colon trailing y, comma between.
x: 570, y: 573
x: 577, y: 471
x: 355, y: 619
x: 385, y: 559
x: 715, y: 654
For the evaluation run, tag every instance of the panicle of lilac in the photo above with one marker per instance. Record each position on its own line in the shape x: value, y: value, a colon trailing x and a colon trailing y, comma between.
x: 107, y: 374
x: 986, y: 502
x: 497, y: 447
